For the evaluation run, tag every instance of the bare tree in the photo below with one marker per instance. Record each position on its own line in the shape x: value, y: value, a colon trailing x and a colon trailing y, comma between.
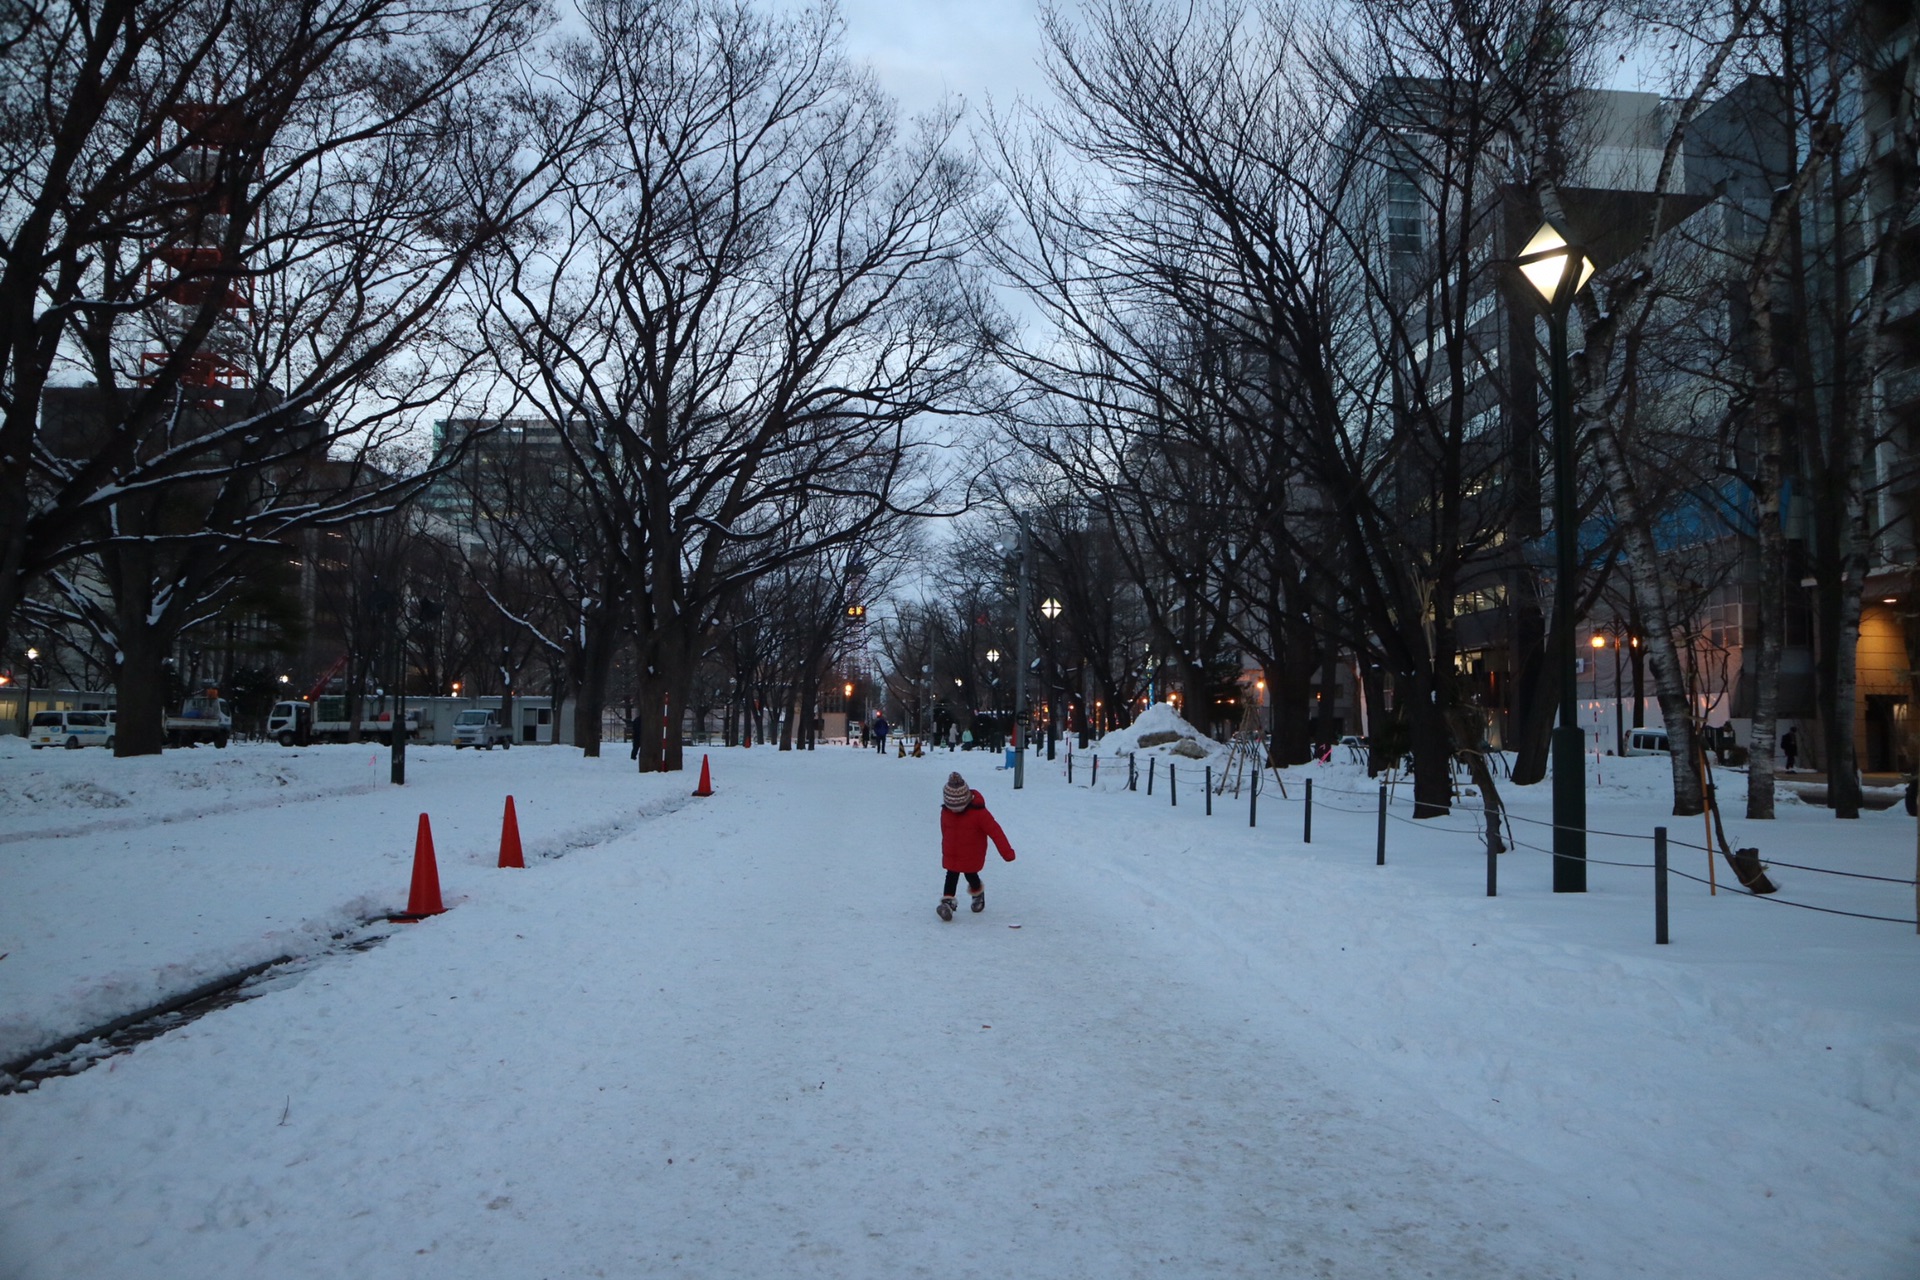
x: 751, y: 288
x: 242, y: 223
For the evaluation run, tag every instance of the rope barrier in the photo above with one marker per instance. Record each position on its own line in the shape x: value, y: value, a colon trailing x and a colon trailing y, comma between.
x: 1509, y: 818
x: 1828, y: 871
x: 1598, y: 862
x: 1777, y: 900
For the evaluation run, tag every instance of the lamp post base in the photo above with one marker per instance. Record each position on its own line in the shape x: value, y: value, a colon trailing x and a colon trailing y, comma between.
x: 1569, y: 810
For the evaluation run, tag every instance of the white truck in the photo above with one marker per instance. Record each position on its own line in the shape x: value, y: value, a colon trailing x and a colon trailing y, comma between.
x: 204, y: 717
x: 480, y: 728
x: 301, y: 723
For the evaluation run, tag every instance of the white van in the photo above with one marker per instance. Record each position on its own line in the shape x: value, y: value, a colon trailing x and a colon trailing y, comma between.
x: 71, y: 729
x: 1647, y: 742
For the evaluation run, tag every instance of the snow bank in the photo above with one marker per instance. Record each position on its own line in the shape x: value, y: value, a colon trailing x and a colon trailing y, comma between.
x: 1160, y: 718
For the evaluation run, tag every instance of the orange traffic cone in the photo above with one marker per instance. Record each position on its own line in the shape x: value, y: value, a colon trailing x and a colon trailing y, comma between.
x: 424, y: 900
x: 706, y: 779
x: 510, y: 839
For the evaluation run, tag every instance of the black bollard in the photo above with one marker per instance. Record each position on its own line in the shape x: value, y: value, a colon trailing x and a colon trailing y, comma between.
x: 1660, y: 886
x: 1380, y: 854
x: 1133, y: 773
x: 1209, y: 786
x: 1153, y: 767
x: 1253, y: 802
x: 1493, y: 862
x: 1173, y: 785
x: 1069, y: 766
x: 1095, y: 784
x: 1306, y: 835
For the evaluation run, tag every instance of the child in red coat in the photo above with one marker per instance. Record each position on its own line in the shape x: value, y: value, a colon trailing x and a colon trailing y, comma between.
x: 965, y: 828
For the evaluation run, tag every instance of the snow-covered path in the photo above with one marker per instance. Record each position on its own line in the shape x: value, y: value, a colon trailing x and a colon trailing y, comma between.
x: 736, y: 1042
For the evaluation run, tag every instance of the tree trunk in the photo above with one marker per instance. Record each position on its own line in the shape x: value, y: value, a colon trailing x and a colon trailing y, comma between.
x: 140, y: 676
x: 1766, y: 668
x: 1539, y: 704
x: 1469, y: 731
x: 1375, y: 688
x: 1432, y: 746
x: 1767, y: 629
x: 1531, y: 705
x: 1289, y: 688
x: 1323, y: 706
x: 652, y: 739
x: 356, y: 695
x: 1649, y: 593
x: 590, y: 694
x: 1841, y: 666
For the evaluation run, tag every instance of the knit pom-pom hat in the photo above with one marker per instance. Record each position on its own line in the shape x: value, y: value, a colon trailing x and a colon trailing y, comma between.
x: 956, y: 795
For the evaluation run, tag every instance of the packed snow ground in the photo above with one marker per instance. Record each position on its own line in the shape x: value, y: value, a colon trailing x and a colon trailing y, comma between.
x: 728, y: 1037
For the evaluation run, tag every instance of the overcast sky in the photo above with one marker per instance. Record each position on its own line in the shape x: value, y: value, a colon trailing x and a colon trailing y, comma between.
x: 923, y: 50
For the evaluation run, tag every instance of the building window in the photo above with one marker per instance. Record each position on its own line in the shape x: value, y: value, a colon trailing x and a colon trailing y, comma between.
x: 1404, y: 218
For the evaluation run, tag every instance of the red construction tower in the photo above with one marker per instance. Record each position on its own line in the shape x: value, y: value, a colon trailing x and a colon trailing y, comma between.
x: 192, y: 269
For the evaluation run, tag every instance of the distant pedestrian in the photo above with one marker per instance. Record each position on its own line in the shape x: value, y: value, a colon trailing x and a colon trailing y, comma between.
x: 633, y: 736
x: 880, y: 733
x: 965, y: 828
x: 1790, y: 747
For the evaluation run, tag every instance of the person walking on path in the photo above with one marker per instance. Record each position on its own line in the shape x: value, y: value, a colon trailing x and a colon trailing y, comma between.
x: 965, y: 828
x: 633, y: 736
x: 880, y: 732
x: 1790, y: 748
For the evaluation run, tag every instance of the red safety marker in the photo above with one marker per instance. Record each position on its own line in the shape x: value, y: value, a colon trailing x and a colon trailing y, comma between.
x: 424, y: 898
x: 706, y: 779
x: 510, y: 855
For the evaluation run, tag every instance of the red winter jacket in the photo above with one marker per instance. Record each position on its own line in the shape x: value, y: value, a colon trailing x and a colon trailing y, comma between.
x: 964, y: 836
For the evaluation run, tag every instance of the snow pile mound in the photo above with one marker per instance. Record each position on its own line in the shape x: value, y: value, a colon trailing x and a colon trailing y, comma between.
x: 1159, y: 728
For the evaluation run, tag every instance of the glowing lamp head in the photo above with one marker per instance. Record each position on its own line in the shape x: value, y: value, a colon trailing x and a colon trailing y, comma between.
x: 1544, y: 262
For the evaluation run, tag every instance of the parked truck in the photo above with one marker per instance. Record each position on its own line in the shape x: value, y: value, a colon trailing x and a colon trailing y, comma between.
x: 300, y: 723
x: 204, y: 717
x: 480, y: 727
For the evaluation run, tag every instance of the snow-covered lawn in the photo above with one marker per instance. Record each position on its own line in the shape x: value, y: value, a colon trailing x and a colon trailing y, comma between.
x: 727, y: 1037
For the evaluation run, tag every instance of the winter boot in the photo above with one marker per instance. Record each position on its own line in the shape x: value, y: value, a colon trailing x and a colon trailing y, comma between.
x: 980, y: 900
x: 945, y: 909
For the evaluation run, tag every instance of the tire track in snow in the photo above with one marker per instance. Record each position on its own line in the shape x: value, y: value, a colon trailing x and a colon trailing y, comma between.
x: 122, y: 1034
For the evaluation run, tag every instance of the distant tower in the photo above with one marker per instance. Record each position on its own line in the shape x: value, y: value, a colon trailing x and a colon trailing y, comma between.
x: 191, y: 269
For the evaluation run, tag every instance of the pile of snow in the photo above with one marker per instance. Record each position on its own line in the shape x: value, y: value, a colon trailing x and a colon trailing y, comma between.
x: 1155, y: 722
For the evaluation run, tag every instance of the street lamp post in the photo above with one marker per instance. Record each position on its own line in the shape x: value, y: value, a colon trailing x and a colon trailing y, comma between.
x: 26, y: 694
x: 1050, y: 609
x: 1599, y: 643
x: 1614, y: 632
x: 1557, y: 271
x: 993, y: 683
x: 1025, y: 552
